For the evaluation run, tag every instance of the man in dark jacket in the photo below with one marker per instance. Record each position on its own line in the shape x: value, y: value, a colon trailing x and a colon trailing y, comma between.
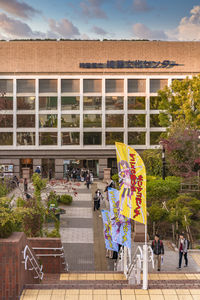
x: 158, y: 250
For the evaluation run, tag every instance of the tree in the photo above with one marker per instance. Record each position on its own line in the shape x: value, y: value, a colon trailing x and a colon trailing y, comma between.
x: 181, y: 101
x: 182, y: 145
x: 153, y: 162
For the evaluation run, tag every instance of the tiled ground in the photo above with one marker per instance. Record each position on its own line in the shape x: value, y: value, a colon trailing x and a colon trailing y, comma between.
x: 77, y: 235
x: 130, y: 294
x: 78, y: 212
x: 196, y: 257
x: 164, y: 276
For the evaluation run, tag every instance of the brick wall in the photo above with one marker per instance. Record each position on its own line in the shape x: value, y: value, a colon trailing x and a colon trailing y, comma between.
x: 50, y: 264
x: 13, y: 275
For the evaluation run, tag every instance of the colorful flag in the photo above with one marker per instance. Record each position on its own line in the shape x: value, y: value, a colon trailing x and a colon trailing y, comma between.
x: 120, y: 225
x: 110, y: 245
x: 132, y: 180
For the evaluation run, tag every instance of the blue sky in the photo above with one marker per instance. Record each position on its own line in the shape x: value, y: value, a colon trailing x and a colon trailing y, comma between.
x: 99, y: 19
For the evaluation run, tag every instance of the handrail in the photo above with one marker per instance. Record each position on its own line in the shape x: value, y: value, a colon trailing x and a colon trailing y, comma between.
x: 136, y: 256
x: 33, y: 261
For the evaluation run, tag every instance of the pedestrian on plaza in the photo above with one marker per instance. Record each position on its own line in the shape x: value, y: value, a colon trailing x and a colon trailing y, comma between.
x: 25, y: 185
x: 87, y: 180
x: 183, y: 246
x: 97, y: 199
x: 158, y: 250
x: 50, y: 174
x: 38, y: 170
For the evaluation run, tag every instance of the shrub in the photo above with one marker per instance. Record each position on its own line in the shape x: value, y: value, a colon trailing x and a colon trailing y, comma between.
x: 66, y: 199
x: 3, y: 189
x: 53, y: 199
x: 7, y: 218
x: 115, y: 178
x: 21, y: 202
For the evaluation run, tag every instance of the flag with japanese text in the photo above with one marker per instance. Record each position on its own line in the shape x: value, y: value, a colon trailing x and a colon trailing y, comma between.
x: 132, y: 181
x: 110, y: 245
x: 120, y: 225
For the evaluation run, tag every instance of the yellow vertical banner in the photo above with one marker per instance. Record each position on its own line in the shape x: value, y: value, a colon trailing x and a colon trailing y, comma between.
x: 132, y: 182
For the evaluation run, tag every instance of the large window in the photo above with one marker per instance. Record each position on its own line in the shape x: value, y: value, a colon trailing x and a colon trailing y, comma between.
x: 114, y: 85
x: 6, y: 138
x: 157, y: 84
x: 154, y: 121
x: 136, y: 85
x: 48, y: 121
x: 25, y: 121
x: 47, y: 103
x: 155, y: 137
x: 136, y: 138
x: 136, y: 102
x: 6, y: 85
x: 91, y: 103
x: 136, y: 121
x: 25, y: 85
x: 70, y: 138
x: 47, y: 138
x: 25, y: 138
x: 92, y: 138
x: 112, y: 137
x: 6, y: 121
x: 25, y: 103
x: 70, y: 120
x: 114, y: 103
x: 70, y: 85
x: 6, y: 103
x: 48, y: 86
x: 70, y: 103
x: 92, y: 85
x: 91, y: 120
x: 114, y: 121
x: 154, y: 102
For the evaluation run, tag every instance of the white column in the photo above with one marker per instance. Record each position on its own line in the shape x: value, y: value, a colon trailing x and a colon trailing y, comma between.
x: 81, y: 112
x: 37, y: 112
x: 59, y: 111
x: 125, y: 111
x: 14, y: 112
x: 145, y: 267
x: 103, y: 114
x: 147, y: 112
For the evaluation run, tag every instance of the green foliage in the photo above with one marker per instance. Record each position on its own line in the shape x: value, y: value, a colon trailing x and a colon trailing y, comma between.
x: 180, y: 101
x: 153, y: 162
x: 66, y: 199
x: 157, y: 213
x: 162, y: 190
x: 55, y: 233
x: 115, y: 178
x: 21, y: 202
x: 3, y: 189
x: 53, y: 199
x: 39, y: 184
x: 7, y: 218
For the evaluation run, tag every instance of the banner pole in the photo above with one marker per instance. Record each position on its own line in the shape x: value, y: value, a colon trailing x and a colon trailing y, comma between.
x: 145, y: 262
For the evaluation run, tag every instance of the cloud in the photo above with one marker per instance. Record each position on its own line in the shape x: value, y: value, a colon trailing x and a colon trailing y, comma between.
x: 141, y: 6
x: 19, y: 9
x: 141, y: 31
x: 12, y: 28
x: 63, y: 29
x: 99, y: 31
x: 188, y: 28
x: 92, y: 9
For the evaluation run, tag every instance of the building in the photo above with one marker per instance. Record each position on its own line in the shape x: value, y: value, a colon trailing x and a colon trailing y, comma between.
x: 65, y: 102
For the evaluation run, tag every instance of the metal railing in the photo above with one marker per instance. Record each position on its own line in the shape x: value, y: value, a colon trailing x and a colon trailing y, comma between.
x: 29, y: 258
x: 62, y: 254
x: 133, y: 269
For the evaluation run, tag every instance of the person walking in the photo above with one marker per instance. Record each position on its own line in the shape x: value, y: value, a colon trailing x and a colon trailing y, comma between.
x: 88, y: 181
x: 183, y: 249
x: 25, y: 185
x: 158, y: 250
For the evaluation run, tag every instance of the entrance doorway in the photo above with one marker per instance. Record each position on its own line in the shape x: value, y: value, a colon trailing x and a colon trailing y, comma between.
x: 88, y: 164
x: 26, y: 167
x: 48, y: 167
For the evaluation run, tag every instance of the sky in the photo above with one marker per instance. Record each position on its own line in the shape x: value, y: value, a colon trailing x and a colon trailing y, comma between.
x: 171, y: 20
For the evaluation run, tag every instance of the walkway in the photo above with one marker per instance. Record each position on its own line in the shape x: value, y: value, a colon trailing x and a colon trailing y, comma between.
x: 125, y: 294
x: 76, y: 229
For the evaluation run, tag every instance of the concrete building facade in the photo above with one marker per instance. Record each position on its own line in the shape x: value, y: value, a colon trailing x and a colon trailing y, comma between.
x: 65, y: 103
